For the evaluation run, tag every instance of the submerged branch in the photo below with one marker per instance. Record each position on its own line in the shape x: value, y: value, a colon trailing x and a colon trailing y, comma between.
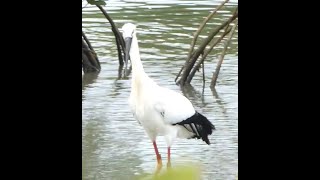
x: 90, y: 61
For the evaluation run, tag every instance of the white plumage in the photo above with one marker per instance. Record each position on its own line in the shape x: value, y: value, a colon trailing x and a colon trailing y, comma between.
x: 161, y: 111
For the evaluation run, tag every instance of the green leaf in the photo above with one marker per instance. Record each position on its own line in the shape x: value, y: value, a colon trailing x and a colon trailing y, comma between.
x: 97, y: 2
x: 101, y: 3
x: 175, y: 173
x: 90, y: 1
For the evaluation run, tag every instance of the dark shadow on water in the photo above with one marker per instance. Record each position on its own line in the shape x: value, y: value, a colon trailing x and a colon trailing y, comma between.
x: 89, y: 78
x: 218, y: 99
x: 198, y: 98
x: 116, y: 88
x: 191, y: 93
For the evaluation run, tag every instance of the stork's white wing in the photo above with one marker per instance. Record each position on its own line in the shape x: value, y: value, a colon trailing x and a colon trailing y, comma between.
x: 173, y: 106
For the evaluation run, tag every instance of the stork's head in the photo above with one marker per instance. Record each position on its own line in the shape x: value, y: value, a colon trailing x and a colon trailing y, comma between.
x: 128, y: 31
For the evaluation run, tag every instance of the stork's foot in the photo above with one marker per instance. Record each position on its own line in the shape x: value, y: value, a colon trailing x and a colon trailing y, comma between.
x: 159, y: 161
x: 168, y: 164
x: 169, y: 159
x: 159, y: 164
x: 158, y: 168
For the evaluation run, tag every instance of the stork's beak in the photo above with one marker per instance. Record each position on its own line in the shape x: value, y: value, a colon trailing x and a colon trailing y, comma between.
x: 127, y: 41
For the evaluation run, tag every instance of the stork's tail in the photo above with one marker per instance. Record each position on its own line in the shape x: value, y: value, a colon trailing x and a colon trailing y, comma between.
x: 199, y: 125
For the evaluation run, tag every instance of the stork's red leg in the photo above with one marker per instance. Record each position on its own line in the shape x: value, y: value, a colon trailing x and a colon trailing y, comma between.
x: 159, y: 161
x: 169, y: 160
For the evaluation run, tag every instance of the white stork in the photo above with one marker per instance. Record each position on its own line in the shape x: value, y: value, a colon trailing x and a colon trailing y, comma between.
x: 161, y: 111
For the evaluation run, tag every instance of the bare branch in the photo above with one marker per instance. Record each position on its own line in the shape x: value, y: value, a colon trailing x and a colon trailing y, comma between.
x: 196, y: 34
x: 205, y: 54
x: 117, y: 34
x: 87, y: 41
x: 189, y: 64
x: 175, y: 80
x: 203, y: 76
x: 90, y: 62
x: 216, y: 73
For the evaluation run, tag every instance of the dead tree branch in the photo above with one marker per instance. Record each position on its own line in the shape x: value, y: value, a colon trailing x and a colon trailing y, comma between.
x: 196, y: 34
x: 216, y: 73
x: 87, y: 41
x: 90, y: 61
x: 205, y: 54
x: 195, y: 55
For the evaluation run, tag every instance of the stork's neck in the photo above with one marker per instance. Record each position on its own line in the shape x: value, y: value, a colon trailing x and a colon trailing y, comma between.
x: 137, y: 68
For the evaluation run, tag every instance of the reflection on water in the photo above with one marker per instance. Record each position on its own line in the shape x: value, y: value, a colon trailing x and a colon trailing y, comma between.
x: 114, y: 146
